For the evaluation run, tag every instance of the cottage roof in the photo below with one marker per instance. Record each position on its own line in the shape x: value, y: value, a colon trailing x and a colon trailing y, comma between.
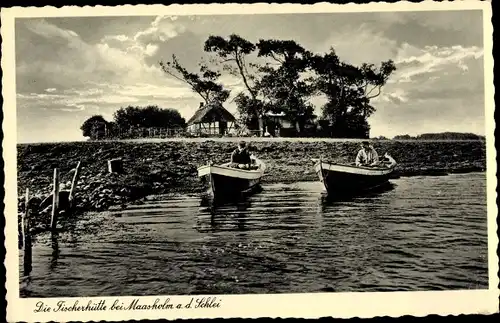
x: 210, y: 113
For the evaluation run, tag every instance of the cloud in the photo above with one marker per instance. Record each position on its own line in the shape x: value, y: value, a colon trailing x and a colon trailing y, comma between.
x: 364, y: 45
x: 47, y: 30
x: 139, y: 52
x: 436, y: 73
x: 425, y: 91
x: 439, y: 28
x: 74, y: 99
x: 412, y: 61
x: 51, y: 57
x: 432, y: 115
x: 145, y: 42
x: 118, y: 41
x: 87, y: 65
x: 105, y: 96
x: 123, y: 64
x: 230, y: 80
x: 119, y: 38
x: 70, y: 62
x: 162, y: 29
x: 151, y: 49
x: 397, y: 96
x: 158, y: 92
x: 434, y: 89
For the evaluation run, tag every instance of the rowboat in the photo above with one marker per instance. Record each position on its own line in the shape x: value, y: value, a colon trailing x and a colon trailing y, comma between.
x: 348, y: 180
x: 225, y: 181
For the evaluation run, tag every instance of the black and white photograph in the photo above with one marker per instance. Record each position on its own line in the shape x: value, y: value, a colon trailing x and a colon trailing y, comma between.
x: 253, y: 151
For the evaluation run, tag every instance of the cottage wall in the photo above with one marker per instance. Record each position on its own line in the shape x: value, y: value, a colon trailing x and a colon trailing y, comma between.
x: 210, y: 120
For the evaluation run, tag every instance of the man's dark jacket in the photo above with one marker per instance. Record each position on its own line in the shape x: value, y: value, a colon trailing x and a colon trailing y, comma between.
x: 240, y: 157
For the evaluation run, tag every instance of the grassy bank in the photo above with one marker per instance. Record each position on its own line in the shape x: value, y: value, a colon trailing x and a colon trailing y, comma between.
x: 159, y: 167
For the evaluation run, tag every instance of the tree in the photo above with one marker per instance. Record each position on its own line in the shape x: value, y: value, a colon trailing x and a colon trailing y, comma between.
x: 94, y: 127
x: 288, y: 77
x: 149, y: 116
x: 250, y: 111
x: 283, y: 83
x: 204, y: 84
x: 349, y: 90
x: 276, y: 85
x: 232, y: 54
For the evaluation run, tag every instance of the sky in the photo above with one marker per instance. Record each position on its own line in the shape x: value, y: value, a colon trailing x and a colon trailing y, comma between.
x: 68, y: 69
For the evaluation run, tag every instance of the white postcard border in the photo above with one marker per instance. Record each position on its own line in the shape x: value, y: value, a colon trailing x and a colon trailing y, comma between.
x: 307, y: 305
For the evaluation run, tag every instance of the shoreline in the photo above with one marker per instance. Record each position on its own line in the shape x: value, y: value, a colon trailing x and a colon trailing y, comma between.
x: 161, y: 167
x: 249, y: 139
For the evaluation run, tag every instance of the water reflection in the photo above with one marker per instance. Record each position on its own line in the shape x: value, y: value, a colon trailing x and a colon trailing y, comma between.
x: 236, y: 208
x: 424, y: 233
x: 220, y: 207
x: 27, y: 260
x: 55, y: 250
x: 235, y: 199
x: 370, y: 196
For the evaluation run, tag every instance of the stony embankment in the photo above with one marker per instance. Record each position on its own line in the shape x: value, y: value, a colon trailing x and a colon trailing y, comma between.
x: 170, y: 166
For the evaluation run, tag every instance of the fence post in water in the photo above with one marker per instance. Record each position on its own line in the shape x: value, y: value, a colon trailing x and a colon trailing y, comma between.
x: 55, y: 201
x: 73, y: 185
x: 25, y: 226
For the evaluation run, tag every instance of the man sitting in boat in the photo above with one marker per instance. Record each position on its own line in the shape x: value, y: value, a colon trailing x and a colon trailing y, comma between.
x: 240, y: 158
x: 367, y: 156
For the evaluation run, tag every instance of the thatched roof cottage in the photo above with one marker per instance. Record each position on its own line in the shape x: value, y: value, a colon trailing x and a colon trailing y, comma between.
x: 211, y: 119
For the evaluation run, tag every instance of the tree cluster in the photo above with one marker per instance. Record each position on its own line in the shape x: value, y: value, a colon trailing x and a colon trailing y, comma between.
x: 282, y: 76
x: 129, y: 118
x: 442, y: 136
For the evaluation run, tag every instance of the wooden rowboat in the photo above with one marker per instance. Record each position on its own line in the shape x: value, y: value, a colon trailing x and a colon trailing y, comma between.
x: 349, y: 180
x: 225, y: 181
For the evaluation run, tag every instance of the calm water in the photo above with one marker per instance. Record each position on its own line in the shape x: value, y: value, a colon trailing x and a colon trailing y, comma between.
x: 427, y: 233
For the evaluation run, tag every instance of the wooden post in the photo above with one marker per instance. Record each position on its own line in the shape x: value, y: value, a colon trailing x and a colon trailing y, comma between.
x: 73, y: 185
x: 115, y: 166
x: 55, y: 201
x: 23, y: 216
x: 55, y: 250
x: 25, y: 226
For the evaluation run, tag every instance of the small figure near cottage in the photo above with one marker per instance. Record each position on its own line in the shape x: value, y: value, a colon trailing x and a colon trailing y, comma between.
x: 367, y: 156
